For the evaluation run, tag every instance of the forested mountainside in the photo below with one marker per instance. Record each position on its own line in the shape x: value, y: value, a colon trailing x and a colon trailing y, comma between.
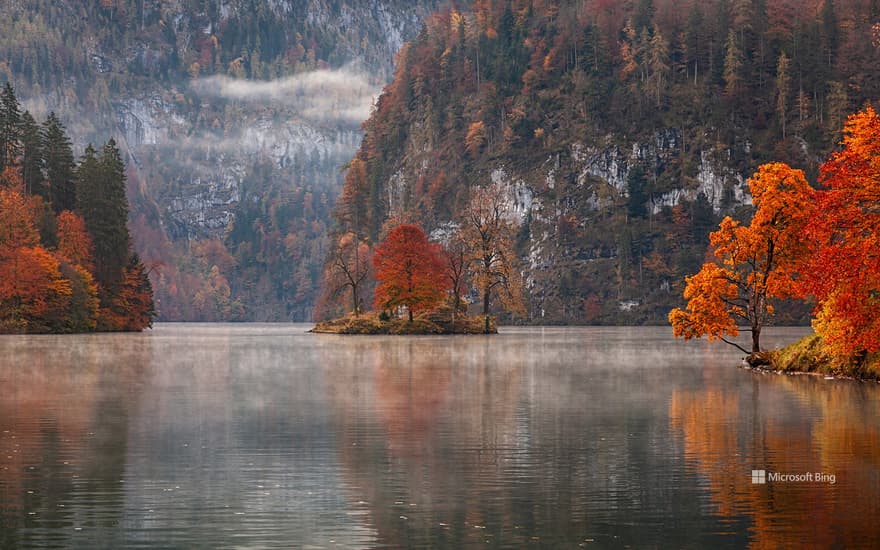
x: 235, y: 118
x: 621, y: 131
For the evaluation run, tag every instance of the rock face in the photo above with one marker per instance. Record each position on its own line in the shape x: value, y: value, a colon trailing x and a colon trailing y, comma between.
x: 198, y: 199
x: 577, y: 245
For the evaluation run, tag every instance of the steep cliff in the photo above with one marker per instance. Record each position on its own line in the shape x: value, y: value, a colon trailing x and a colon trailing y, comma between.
x: 236, y: 117
x: 622, y: 132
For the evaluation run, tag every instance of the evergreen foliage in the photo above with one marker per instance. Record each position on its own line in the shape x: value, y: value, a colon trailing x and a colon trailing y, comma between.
x: 60, y: 165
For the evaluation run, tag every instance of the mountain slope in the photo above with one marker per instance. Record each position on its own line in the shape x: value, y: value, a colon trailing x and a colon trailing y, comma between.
x: 236, y: 117
x: 621, y: 131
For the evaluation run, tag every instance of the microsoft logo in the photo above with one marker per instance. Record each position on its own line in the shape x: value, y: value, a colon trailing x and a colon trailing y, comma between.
x: 759, y: 476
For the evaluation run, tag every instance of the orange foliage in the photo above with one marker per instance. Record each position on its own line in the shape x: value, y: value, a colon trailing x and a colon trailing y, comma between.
x: 17, y: 223
x: 131, y: 308
x: 74, y: 242
x: 488, y: 232
x: 844, y: 267
x: 410, y: 271
x: 476, y: 138
x: 757, y: 262
x: 31, y: 289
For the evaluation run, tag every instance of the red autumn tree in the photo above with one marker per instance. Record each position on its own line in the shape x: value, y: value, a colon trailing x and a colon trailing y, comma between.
x: 758, y: 261
x: 844, y: 268
x: 409, y: 270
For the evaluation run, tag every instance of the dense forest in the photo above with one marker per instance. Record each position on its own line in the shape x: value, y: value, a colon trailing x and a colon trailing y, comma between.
x: 66, y: 262
x: 621, y: 133
x: 235, y: 118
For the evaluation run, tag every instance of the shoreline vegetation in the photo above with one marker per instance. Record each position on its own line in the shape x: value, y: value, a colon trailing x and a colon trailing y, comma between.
x: 67, y: 263
x: 439, y: 321
x: 812, y: 243
x: 435, y: 322
x: 810, y: 356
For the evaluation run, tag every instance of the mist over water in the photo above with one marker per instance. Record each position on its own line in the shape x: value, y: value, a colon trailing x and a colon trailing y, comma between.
x: 265, y: 436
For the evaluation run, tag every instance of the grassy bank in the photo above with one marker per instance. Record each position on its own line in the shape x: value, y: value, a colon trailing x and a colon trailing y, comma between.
x: 428, y: 323
x: 809, y: 355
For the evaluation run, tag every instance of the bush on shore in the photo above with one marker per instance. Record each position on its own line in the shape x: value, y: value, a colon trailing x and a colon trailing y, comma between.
x: 810, y: 355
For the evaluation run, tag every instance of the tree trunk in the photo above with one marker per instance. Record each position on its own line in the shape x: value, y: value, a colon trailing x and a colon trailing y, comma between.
x: 354, y: 299
x: 486, y: 311
x: 410, y: 314
x: 756, y: 339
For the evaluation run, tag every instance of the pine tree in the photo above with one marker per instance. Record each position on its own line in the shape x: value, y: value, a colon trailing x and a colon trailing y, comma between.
x: 783, y: 85
x: 733, y: 63
x: 101, y: 201
x: 830, y: 32
x: 658, y: 63
x: 59, y: 163
x: 32, y: 158
x: 638, y: 198
x: 693, y: 43
x: 10, y: 122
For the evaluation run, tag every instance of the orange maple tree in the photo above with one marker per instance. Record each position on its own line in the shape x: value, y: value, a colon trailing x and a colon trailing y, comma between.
x: 410, y: 271
x: 32, y: 288
x: 74, y: 242
x: 843, y: 271
x: 757, y: 262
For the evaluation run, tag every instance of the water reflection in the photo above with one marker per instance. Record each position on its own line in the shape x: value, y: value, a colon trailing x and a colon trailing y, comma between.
x: 788, y: 425
x: 64, y: 424
x: 261, y: 435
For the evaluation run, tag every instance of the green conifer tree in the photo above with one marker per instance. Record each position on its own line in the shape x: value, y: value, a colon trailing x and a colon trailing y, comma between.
x: 10, y: 124
x: 32, y: 157
x: 101, y: 201
x: 59, y: 163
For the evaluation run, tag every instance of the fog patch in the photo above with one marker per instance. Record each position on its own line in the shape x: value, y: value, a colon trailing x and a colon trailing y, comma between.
x: 342, y: 95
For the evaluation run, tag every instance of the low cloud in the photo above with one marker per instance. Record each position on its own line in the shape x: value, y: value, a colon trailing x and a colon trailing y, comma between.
x: 327, y: 96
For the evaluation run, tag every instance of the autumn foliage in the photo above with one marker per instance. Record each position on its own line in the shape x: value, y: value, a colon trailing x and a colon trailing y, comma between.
x: 756, y: 262
x: 410, y: 271
x: 53, y: 289
x: 33, y: 292
x: 843, y: 269
x: 820, y: 244
x: 346, y: 275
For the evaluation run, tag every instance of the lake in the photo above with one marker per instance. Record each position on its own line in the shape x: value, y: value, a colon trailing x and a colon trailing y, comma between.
x: 263, y: 436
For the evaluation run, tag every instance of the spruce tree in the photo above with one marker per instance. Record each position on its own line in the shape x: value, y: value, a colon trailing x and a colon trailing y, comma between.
x: 101, y: 201
x: 59, y: 163
x: 32, y: 159
x: 10, y: 122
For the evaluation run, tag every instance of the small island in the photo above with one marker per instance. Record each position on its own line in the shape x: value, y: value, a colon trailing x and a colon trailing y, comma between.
x: 435, y: 322
x: 421, y: 287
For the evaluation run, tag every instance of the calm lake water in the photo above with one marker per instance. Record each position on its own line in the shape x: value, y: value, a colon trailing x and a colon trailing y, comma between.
x: 259, y: 436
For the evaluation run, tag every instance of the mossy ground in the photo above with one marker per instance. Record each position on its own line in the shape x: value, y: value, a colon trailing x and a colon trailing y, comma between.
x: 435, y: 322
x: 809, y: 355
